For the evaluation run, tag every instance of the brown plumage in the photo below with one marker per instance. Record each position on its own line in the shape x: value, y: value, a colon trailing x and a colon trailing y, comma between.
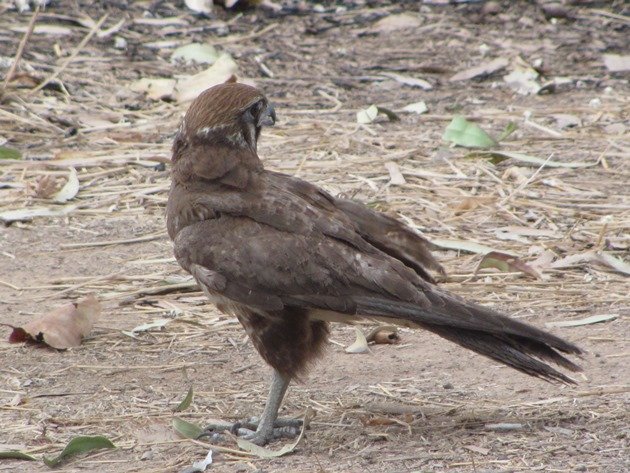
x: 286, y: 257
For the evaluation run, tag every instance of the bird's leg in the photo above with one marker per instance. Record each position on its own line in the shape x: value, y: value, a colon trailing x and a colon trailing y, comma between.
x: 265, y: 431
x: 268, y: 427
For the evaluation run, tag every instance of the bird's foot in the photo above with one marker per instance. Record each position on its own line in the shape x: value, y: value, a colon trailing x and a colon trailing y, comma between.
x: 249, y: 430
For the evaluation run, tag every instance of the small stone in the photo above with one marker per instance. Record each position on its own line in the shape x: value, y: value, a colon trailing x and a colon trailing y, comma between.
x: 555, y: 10
x: 491, y: 8
x: 148, y: 455
x: 581, y: 467
x: 448, y: 386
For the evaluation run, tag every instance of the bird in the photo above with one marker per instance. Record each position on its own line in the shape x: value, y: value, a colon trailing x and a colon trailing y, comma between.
x: 287, y: 258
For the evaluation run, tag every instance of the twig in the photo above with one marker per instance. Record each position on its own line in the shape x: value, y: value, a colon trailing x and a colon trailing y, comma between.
x: 20, y: 50
x: 70, y: 58
x: 155, y: 236
x: 524, y: 184
x: 239, y: 39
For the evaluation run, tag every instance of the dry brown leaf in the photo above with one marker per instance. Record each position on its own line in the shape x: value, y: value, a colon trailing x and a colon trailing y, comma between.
x: 385, y: 335
x: 504, y: 262
x: 470, y: 203
x: 46, y: 187
x: 476, y: 449
x: 396, y: 22
x: 484, y: 69
x: 62, y: 328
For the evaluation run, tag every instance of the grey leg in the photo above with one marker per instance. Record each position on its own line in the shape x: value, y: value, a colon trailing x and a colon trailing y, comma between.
x: 277, y: 390
x: 268, y: 427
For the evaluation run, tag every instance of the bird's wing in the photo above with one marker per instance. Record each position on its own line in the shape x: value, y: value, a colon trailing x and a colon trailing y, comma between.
x: 383, y: 232
x: 272, y: 270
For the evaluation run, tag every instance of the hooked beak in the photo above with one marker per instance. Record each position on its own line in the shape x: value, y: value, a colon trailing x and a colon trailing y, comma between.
x: 267, y: 117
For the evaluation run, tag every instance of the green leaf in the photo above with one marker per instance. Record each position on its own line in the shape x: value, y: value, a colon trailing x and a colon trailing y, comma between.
x: 263, y: 452
x: 186, y: 429
x: 77, y: 446
x: 496, y: 157
x: 186, y: 402
x: 390, y: 114
x: 16, y: 455
x: 367, y: 115
x: 464, y: 133
x: 510, y: 128
x: 9, y: 153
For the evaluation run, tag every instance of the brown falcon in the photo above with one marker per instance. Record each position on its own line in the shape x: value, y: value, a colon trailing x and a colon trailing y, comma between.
x: 286, y: 258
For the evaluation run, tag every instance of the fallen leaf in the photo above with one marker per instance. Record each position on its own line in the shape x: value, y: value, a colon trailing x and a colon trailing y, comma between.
x: 360, y: 344
x: 378, y: 420
x: 470, y: 203
x: 23, y: 215
x: 395, y: 176
x: 156, y: 89
x: 510, y: 128
x: 613, y: 263
x: 186, y: 429
x: 506, y: 263
x: 70, y: 188
x: 544, y: 260
x: 384, y: 335
x: 598, y: 257
x: 504, y: 427
x: 593, y: 319
x: 46, y: 187
x: 62, y: 328
x: 560, y: 430
x: 496, y: 157
x: 45, y: 29
x: 528, y: 231
x: 484, y: 69
x: 16, y: 455
x: 9, y: 153
x: 617, y: 62
x: 199, y: 466
x: 480, y: 450
x: 367, y: 115
x: 392, y: 23
x: 564, y: 120
x: 506, y: 235
x: 523, y: 79
x: 77, y: 446
x: 201, y: 7
x: 185, y: 404
x: 462, y: 245
x: 464, y: 133
x: 262, y: 452
x: 158, y: 323
x: 390, y: 114
x: 416, y: 107
x: 410, y: 81
x: 196, y: 52
x: 189, y: 87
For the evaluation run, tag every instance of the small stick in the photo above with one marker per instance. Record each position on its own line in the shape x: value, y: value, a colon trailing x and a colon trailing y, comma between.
x: 20, y: 51
x: 70, y: 58
x: 155, y: 236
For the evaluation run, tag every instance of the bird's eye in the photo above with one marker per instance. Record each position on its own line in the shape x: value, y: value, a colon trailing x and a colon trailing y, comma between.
x: 256, y: 109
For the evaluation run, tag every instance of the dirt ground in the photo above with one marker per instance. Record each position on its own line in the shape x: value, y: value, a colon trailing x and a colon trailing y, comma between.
x: 420, y: 405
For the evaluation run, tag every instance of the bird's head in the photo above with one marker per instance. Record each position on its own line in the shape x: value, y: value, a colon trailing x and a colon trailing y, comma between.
x: 229, y: 114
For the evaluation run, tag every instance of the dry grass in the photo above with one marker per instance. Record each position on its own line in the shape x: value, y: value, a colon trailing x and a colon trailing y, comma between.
x: 69, y: 105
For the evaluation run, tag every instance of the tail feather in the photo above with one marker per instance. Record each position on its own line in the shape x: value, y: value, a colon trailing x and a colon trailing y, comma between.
x: 484, y: 331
